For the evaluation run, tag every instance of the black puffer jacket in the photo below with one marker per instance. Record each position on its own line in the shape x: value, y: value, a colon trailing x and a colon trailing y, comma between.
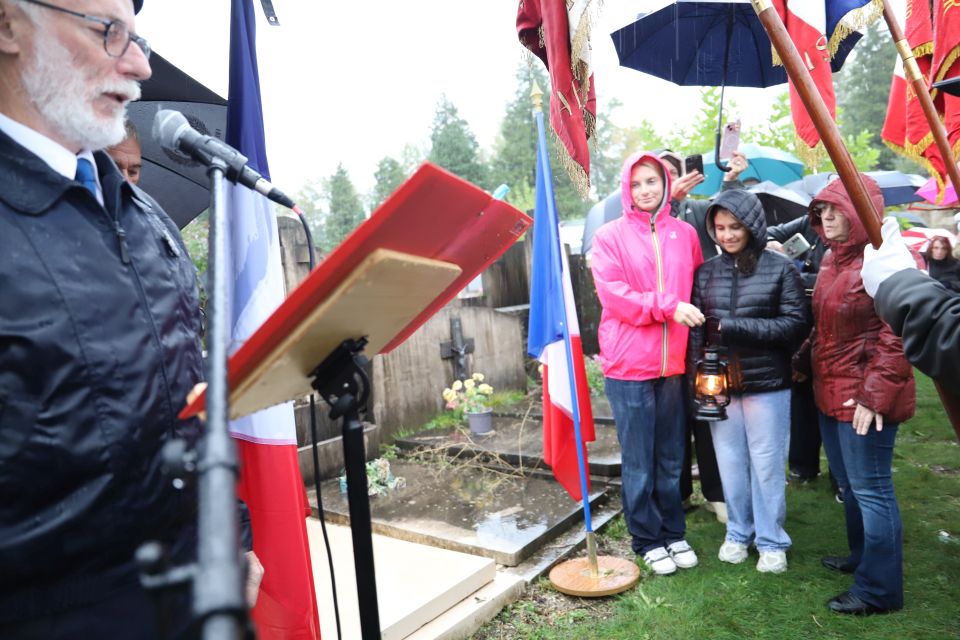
x: 761, y: 312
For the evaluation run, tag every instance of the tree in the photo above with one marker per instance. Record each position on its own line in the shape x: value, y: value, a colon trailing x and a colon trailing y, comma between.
x: 453, y: 145
x: 515, y: 151
x: 345, y: 210
x: 389, y: 175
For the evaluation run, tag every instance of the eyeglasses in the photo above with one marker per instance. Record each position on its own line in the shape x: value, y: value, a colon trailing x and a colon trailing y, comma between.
x: 116, y: 35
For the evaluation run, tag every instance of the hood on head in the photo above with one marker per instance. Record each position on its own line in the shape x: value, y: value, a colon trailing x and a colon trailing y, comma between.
x: 836, y: 194
x: 746, y: 208
x: 626, y: 197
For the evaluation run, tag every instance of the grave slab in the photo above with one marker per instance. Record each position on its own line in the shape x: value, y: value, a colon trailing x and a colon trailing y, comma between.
x: 517, y: 441
x: 467, y: 508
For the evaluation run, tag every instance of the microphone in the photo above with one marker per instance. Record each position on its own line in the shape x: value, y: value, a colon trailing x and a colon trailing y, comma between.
x: 173, y: 132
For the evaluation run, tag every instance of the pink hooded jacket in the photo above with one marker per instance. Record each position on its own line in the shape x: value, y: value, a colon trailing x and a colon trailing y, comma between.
x: 643, y: 266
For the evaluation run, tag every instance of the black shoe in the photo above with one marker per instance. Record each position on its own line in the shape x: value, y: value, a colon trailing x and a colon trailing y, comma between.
x: 850, y: 604
x: 837, y: 563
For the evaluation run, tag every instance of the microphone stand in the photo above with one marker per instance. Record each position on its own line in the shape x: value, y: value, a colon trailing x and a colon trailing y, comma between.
x: 218, y: 586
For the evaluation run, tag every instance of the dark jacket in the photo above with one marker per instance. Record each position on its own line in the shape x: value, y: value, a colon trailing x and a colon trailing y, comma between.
x: 946, y: 272
x: 762, y: 314
x: 927, y: 317
x: 809, y: 263
x: 851, y: 352
x: 99, y: 345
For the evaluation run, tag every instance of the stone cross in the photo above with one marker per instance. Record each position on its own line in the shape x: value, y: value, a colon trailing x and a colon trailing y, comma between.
x: 457, y: 349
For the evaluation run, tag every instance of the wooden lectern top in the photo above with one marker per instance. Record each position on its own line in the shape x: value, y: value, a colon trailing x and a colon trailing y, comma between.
x: 413, y: 255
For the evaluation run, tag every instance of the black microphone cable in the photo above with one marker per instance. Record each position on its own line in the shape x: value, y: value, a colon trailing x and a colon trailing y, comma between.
x: 313, y: 437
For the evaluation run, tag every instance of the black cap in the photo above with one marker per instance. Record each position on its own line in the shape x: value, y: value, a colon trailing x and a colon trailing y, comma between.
x: 137, y: 5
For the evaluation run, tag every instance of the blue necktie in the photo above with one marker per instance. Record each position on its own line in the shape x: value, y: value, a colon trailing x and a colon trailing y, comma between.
x: 86, y: 175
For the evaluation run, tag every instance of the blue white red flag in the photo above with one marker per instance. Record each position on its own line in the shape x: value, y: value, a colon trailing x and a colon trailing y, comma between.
x: 551, y: 307
x: 270, y: 481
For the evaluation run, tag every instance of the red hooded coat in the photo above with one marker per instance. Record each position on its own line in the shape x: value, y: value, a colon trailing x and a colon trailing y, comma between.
x: 854, y: 354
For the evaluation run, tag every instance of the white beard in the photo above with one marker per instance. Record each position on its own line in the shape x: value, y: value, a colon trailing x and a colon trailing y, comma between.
x: 62, y: 94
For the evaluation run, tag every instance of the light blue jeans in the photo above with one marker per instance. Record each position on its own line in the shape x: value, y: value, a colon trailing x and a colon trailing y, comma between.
x: 751, y: 447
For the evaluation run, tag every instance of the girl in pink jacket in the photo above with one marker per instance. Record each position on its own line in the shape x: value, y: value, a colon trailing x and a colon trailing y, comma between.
x: 643, y: 265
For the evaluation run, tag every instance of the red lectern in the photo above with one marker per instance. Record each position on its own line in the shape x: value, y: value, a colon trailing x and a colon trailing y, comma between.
x: 416, y: 252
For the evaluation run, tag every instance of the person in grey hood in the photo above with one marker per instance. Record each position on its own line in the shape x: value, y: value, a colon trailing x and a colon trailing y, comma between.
x: 756, y: 313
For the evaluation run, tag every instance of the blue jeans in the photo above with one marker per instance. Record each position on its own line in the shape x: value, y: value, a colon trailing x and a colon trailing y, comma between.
x: 751, y: 446
x: 650, y: 417
x: 862, y: 467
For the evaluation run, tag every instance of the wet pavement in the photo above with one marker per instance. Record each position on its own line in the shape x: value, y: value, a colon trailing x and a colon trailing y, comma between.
x: 467, y: 508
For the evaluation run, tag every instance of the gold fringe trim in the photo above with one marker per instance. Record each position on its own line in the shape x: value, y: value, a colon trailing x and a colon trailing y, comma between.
x: 580, y: 48
x: 925, y: 49
x: 813, y: 156
x: 909, y: 151
x: 848, y: 24
x: 944, y: 68
x: 854, y: 21
x: 576, y: 173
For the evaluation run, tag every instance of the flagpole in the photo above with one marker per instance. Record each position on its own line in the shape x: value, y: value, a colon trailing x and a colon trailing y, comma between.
x: 536, y: 95
x: 833, y: 143
x: 913, y: 74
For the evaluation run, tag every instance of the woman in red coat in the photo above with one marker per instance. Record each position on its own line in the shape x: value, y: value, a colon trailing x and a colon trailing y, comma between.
x: 864, y: 389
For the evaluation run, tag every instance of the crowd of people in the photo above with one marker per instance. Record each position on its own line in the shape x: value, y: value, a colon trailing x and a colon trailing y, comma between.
x: 810, y: 357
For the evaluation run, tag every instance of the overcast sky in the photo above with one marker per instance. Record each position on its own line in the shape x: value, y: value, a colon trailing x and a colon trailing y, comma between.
x: 352, y: 82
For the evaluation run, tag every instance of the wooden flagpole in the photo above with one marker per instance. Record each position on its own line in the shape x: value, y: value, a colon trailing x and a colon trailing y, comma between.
x: 833, y: 142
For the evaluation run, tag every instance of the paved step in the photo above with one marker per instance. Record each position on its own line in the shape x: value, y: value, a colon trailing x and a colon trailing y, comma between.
x: 423, y: 592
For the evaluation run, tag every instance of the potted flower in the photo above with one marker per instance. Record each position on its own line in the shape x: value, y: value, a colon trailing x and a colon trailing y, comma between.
x: 471, y: 396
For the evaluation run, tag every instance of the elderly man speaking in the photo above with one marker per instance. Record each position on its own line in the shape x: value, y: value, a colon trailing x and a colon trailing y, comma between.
x: 99, y: 326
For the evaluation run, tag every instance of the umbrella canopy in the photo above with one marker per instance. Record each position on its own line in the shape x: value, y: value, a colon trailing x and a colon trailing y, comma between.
x: 176, y: 181
x: 700, y: 44
x: 919, y: 237
x: 930, y: 189
x: 766, y: 163
x: 779, y: 203
x: 897, y: 188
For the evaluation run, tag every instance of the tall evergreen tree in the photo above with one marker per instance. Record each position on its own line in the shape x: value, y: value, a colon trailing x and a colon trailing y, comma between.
x: 345, y: 210
x: 389, y: 175
x: 515, y: 150
x: 453, y: 145
x: 863, y: 89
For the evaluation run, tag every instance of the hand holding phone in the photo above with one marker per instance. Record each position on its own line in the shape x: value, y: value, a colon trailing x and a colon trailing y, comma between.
x: 693, y: 163
x: 730, y: 141
x: 795, y: 246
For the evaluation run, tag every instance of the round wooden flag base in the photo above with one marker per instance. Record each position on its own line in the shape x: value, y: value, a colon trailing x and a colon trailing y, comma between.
x: 615, y: 575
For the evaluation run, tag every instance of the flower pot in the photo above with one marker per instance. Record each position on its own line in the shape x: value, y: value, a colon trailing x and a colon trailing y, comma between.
x: 480, y: 423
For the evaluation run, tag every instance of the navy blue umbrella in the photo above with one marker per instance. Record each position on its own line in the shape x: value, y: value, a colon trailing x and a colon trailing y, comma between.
x: 704, y: 43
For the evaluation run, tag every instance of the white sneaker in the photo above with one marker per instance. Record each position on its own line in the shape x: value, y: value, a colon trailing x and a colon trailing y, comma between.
x: 732, y: 552
x: 683, y: 556
x: 772, y: 562
x: 660, y: 561
x: 719, y: 508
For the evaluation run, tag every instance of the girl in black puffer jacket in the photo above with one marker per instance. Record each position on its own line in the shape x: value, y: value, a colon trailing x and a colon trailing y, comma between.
x: 756, y: 314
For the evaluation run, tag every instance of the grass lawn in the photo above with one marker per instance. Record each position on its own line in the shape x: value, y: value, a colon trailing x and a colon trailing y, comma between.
x: 718, y: 601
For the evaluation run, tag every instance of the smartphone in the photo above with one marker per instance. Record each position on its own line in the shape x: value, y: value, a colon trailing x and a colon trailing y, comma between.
x: 730, y: 140
x: 693, y: 163
x: 795, y: 246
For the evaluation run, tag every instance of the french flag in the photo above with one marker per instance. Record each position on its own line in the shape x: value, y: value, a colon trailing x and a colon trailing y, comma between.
x: 553, y: 335
x: 270, y: 482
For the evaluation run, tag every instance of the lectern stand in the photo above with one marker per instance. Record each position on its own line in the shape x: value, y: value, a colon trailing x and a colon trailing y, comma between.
x: 415, y: 253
